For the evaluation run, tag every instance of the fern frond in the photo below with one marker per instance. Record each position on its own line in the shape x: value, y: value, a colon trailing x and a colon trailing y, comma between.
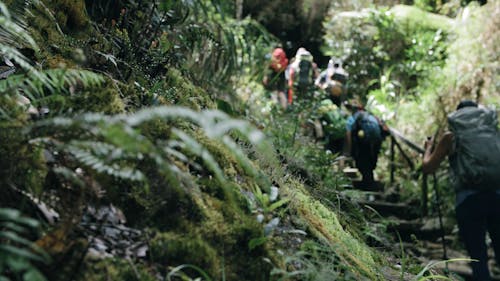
x: 192, y: 146
x: 17, y: 250
x: 37, y: 84
x: 69, y: 175
x: 12, y: 31
x: 241, y: 156
x: 114, y: 145
x: 12, y: 35
x: 96, y: 163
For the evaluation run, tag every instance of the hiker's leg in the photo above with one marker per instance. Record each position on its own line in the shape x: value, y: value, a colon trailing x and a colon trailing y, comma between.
x: 282, y: 99
x: 471, y: 219
x: 368, y: 177
x: 494, y: 224
x: 364, y: 165
x: 374, y: 157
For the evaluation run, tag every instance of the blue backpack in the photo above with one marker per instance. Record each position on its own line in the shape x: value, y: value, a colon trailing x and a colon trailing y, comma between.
x: 366, y: 128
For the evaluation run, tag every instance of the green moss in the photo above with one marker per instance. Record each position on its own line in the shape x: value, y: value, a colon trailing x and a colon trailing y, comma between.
x: 179, y: 91
x: 173, y: 249
x: 104, y: 99
x: 70, y: 14
x: 44, y: 30
x: 230, y: 229
x: 134, y: 98
x: 324, y: 224
x: 21, y: 163
x: 56, y: 103
x: 8, y: 2
x: 58, y: 61
x: 114, y: 269
x: 156, y: 129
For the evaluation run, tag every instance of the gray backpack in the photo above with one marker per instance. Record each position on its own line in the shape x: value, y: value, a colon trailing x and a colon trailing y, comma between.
x: 475, y: 162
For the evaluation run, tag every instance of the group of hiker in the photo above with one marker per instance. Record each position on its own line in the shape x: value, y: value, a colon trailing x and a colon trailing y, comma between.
x: 297, y: 78
x: 358, y: 135
x: 472, y: 145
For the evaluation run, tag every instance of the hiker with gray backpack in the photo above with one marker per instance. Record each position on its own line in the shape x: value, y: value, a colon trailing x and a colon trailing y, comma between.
x: 472, y: 145
x: 301, y: 74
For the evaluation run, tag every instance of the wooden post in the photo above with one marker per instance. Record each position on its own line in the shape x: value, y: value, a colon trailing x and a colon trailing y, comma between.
x: 393, y: 166
x: 423, y: 202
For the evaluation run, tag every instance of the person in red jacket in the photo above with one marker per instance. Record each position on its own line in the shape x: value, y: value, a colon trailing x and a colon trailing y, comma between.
x: 274, y: 79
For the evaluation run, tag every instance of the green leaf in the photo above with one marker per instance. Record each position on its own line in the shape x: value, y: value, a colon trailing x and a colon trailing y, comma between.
x: 17, y: 264
x: 33, y: 275
x: 255, y: 242
x: 8, y: 249
x: 278, y: 204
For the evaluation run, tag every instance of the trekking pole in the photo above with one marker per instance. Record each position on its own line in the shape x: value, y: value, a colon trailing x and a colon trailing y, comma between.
x: 438, y: 202
x: 438, y: 206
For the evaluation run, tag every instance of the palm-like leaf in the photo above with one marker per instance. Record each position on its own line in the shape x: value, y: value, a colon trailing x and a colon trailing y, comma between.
x: 13, y: 34
x: 114, y: 144
x: 17, y: 253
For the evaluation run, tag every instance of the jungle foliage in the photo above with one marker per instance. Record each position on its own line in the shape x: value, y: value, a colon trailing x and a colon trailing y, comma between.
x: 136, y: 104
x: 106, y: 87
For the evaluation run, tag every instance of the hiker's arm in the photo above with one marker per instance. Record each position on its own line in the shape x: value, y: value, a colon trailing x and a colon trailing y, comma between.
x: 320, y: 81
x: 315, y: 70
x: 432, y: 158
x: 290, y: 86
x: 265, y: 80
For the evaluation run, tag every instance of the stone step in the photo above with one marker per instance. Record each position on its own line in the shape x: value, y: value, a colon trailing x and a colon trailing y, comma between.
x: 462, y: 269
x: 389, y: 209
x: 359, y: 185
x: 411, y: 230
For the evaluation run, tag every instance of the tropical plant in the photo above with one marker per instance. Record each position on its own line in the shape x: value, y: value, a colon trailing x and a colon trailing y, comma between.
x: 33, y: 82
x: 179, y: 272
x: 200, y: 37
x: 113, y: 144
x: 19, y: 256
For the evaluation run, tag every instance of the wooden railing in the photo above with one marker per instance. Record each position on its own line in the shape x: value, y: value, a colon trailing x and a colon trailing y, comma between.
x: 395, y: 144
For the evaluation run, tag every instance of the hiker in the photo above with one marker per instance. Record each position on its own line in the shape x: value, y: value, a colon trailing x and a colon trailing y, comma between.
x: 333, y: 81
x: 363, y: 140
x: 301, y: 75
x: 274, y: 79
x: 473, y: 149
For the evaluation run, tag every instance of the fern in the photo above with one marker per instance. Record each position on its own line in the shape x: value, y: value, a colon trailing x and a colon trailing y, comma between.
x: 37, y: 84
x: 34, y: 83
x: 12, y: 35
x: 114, y: 145
x: 18, y: 254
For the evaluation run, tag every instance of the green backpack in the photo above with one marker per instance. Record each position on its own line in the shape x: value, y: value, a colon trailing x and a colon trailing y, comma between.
x: 475, y: 161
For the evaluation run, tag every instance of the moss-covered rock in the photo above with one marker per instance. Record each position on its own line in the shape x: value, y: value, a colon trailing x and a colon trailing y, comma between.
x: 105, y: 99
x: 180, y: 91
x: 21, y: 163
x: 114, y: 269
x: 173, y: 249
x: 323, y: 224
x: 70, y: 14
